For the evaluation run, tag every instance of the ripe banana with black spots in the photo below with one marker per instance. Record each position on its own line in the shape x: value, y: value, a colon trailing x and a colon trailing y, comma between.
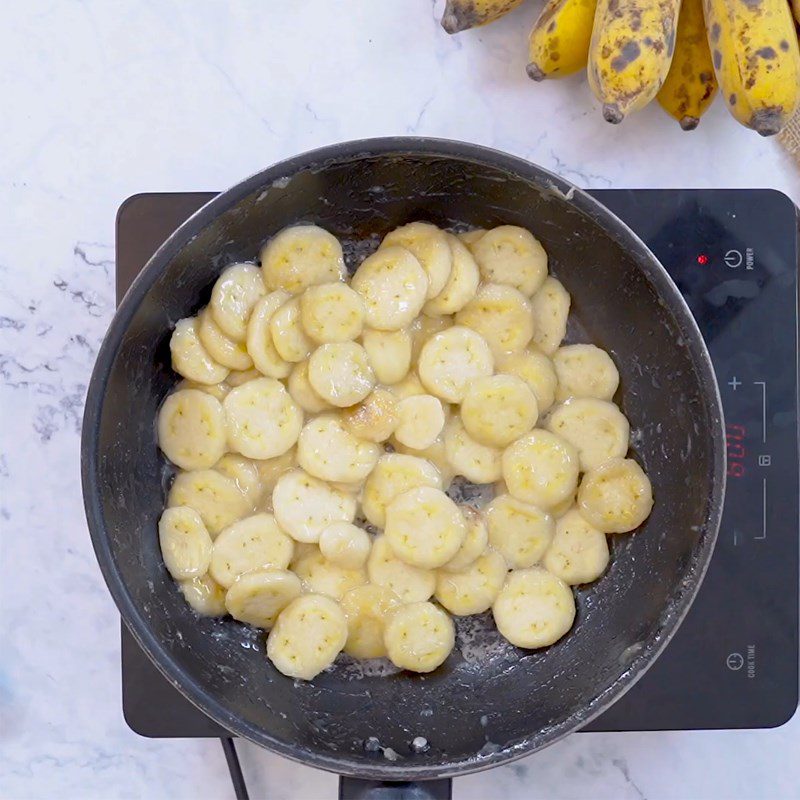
x: 630, y: 53
x: 460, y: 15
x: 559, y: 41
x: 757, y: 60
x: 691, y: 85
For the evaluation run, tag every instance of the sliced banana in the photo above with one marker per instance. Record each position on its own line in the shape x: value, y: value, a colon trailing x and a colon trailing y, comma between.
x: 303, y: 393
x: 473, y: 590
x: 327, y: 450
x: 310, y: 632
x: 214, y: 497
x: 462, y: 284
x: 185, y: 543
x: 340, y: 373
x: 244, y: 473
x: 252, y: 543
x: 220, y: 346
x: 474, y: 542
x: 537, y: 370
x: 410, y: 386
x: 263, y: 421
x: 302, y: 256
x: 550, y: 312
x: 389, y: 353
x: 423, y: 328
x: 270, y: 469
x: 374, y: 418
x: 578, y: 552
x: 205, y: 596
x: 450, y: 360
x: 190, y: 359
x: 345, y: 545
x: 584, y: 371
x: 288, y: 335
x: 616, y: 497
x: 498, y: 409
x: 436, y: 454
x: 393, y: 475
x: 420, y: 421
x: 559, y: 509
x: 596, y: 428
x: 534, y: 608
x: 324, y: 577
x: 430, y: 247
x: 259, y: 336
x: 233, y: 297
x: 238, y: 377
x: 191, y: 429
x: 258, y: 597
x: 393, y: 286
x: 512, y: 256
x: 470, y: 237
x: 305, y: 506
x: 366, y: 609
x: 217, y: 390
x: 410, y: 584
x: 475, y: 461
x: 502, y: 315
x: 419, y: 637
x: 520, y: 532
x: 332, y: 312
x: 541, y: 468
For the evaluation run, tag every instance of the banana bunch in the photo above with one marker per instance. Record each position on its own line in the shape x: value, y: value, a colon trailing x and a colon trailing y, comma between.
x: 680, y: 52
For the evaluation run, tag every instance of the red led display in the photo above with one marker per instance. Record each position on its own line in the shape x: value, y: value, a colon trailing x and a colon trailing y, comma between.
x: 734, y: 442
x: 702, y: 259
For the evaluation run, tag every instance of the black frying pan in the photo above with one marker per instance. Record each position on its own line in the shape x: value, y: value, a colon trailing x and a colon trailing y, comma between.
x: 490, y: 702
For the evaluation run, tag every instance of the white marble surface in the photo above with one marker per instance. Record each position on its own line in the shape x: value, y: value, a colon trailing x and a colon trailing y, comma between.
x: 104, y: 98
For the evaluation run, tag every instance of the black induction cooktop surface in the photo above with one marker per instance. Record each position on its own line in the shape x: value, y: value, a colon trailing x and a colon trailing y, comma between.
x: 734, y: 661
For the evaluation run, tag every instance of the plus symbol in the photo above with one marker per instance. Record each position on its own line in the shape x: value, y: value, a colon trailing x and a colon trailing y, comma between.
x: 734, y: 383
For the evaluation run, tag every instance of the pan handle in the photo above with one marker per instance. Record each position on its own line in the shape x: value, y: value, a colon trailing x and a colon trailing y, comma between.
x: 356, y: 789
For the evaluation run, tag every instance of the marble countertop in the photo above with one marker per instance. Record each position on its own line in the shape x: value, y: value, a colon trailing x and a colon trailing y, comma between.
x: 103, y: 99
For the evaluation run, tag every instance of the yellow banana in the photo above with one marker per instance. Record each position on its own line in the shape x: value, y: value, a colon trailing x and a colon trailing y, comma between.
x: 757, y: 60
x: 459, y: 15
x: 630, y: 53
x: 796, y: 10
x: 559, y: 41
x: 690, y: 86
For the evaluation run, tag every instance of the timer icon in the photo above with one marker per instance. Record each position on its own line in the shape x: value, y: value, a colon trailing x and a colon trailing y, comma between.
x: 735, y: 661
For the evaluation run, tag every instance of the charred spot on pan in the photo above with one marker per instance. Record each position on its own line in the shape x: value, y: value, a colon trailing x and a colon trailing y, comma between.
x: 717, y: 59
x: 767, y: 53
x: 629, y: 53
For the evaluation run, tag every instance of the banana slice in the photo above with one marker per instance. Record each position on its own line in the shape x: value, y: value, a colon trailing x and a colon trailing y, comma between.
x: 420, y: 421
x: 534, y: 608
x: 450, y: 360
x: 220, y: 347
x: 332, y: 312
x: 410, y: 386
x: 374, y: 418
x: 287, y: 332
x: 327, y: 450
x: 584, y: 370
x: 500, y: 314
x: 558, y: 510
x: 597, y: 429
x: 305, y: 506
x: 270, y: 469
x: 191, y: 429
x: 578, y: 552
x: 473, y: 590
x: 214, y: 497
x: 259, y: 336
x: 476, y: 462
x: 550, y: 312
x: 366, y: 609
x: 238, y: 377
x: 190, y: 359
x: 216, y: 390
x: 263, y: 421
x: 537, y: 370
x: 423, y: 328
x: 340, y: 373
x: 393, y: 475
x: 616, y: 497
x: 205, y: 596
x: 384, y: 568
x: 430, y: 247
x: 424, y: 527
x: 244, y: 473
x: 436, y: 454
x: 345, y: 545
x: 520, y: 532
x: 498, y: 409
x: 474, y: 542
x: 302, y: 256
x: 310, y: 632
x: 233, y: 297
x: 303, y: 392
x: 393, y: 286
x: 185, y: 543
x: 470, y: 237
x: 389, y: 353
x: 321, y: 576
x: 462, y: 284
x: 419, y: 637
x: 511, y: 256
x: 258, y: 597
x: 252, y: 543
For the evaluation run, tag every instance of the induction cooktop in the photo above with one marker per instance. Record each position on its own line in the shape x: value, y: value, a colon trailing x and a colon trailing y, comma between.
x: 734, y: 661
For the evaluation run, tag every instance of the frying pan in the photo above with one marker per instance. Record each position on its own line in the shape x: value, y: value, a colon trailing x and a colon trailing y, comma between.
x: 490, y: 702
